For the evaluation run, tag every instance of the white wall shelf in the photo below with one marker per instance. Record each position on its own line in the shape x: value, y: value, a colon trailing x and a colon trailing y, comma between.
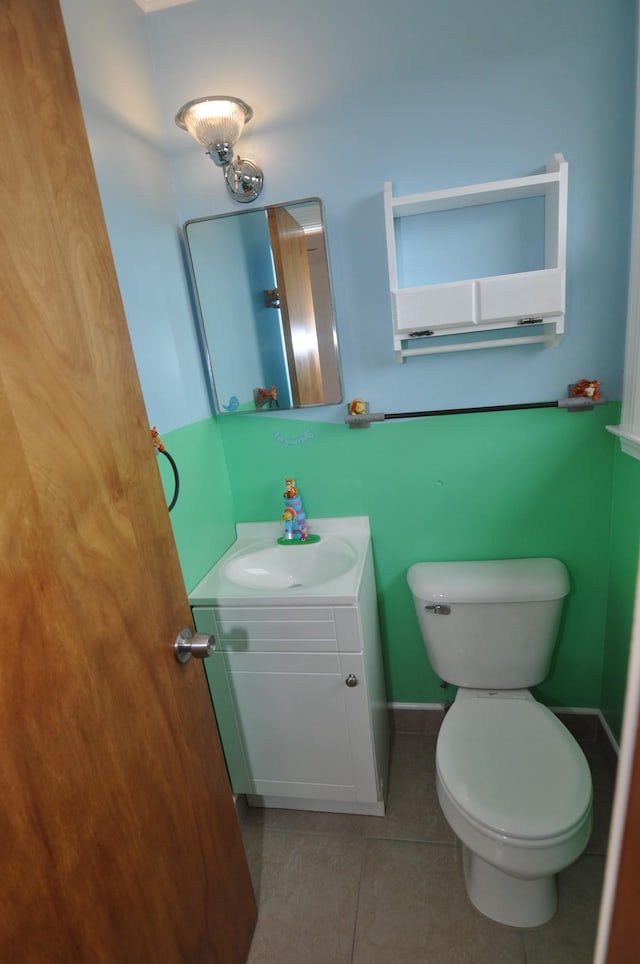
x: 532, y: 301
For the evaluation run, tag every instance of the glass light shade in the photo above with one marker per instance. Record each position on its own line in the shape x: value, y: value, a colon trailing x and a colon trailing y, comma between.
x: 214, y: 120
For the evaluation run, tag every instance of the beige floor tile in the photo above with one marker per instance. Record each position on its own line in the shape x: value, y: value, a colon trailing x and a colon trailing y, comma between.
x: 307, y: 890
x: 252, y: 839
x: 304, y: 821
x: 414, y: 909
x: 569, y: 937
x: 413, y: 811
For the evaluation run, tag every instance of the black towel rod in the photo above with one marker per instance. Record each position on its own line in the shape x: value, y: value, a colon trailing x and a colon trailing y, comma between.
x: 572, y: 404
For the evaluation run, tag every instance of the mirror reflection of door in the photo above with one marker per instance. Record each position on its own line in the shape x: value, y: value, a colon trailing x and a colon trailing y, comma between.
x: 293, y: 275
x: 264, y: 307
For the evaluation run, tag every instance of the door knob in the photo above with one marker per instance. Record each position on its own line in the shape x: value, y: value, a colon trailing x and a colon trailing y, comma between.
x: 351, y: 680
x: 187, y: 645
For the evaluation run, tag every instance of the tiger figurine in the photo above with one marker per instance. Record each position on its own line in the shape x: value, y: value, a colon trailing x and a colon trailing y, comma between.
x: 291, y: 491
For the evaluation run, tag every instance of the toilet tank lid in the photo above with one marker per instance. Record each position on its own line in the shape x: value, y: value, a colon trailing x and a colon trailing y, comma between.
x: 497, y: 580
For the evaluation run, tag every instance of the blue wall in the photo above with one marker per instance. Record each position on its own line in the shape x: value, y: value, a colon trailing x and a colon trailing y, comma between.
x: 427, y: 94
x: 424, y: 93
x: 113, y: 67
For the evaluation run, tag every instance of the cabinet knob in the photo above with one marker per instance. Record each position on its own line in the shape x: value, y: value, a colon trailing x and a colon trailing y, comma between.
x: 351, y: 680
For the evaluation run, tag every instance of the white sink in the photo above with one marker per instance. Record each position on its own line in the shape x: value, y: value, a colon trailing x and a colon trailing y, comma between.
x: 257, y: 571
x: 295, y: 566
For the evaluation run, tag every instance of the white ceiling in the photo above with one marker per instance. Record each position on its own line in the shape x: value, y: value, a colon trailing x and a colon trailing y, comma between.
x: 149, y: 6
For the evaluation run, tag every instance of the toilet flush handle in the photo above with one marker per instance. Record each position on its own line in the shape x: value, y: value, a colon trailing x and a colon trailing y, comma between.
x: 439, y: 609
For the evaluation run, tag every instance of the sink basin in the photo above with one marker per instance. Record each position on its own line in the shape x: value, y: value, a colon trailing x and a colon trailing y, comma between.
x: 257, y: 571
x: 293, y: 566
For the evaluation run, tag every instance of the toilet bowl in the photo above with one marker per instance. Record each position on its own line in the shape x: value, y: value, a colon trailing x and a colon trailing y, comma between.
x: 515, y: 788
x: 512, y: 782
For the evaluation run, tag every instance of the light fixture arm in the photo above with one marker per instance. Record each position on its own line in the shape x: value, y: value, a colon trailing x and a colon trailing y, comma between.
x: 244, y: 180
x: 221, y: 153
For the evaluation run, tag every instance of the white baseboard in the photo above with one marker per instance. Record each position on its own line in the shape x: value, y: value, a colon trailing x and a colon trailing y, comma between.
x: 576, y: 710
x: 589, y: 711
x: 417, y: 706
x: 567, y: 710
x: 607, y: 730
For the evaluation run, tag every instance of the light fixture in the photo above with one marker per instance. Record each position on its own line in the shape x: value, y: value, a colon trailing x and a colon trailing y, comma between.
x: 216, y: 123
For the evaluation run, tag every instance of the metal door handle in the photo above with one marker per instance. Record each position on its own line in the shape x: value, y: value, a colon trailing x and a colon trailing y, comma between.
x: 187, y: 645
x: 351, y: 680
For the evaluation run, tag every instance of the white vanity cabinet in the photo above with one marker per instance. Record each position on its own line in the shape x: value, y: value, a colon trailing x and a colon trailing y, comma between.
x: 472, y: 305
x: 299, y: 697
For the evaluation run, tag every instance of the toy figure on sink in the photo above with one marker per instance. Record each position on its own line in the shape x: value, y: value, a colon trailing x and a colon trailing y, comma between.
x: 296, y: 528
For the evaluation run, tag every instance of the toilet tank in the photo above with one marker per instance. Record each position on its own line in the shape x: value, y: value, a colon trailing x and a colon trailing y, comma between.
x: 490, y: 624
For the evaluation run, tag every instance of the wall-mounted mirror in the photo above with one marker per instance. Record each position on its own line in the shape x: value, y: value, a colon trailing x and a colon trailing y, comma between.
x: 263, y: 294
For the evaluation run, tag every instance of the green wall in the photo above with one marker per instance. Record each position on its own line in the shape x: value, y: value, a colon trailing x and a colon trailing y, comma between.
x: 468, y: 486
x: 625, y: 531
x: 203, y: 518
x: 540, y: 482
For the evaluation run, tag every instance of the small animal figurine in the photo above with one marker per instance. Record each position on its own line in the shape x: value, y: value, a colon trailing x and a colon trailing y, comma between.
x: 157, y: 441
x: 290, y: 489
x: 289, y: 518
x: 269, y: 395
x: 357, y: 407
x: 233, y: 404
x: 586, y: 389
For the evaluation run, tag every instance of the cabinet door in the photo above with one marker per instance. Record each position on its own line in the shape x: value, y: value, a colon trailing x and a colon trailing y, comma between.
x: 294, y: 713
x: 434, y: 306
x: 531, y: 294
x: 229, y: 728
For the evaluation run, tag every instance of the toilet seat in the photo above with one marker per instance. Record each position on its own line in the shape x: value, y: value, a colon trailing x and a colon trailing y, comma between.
x: 513, y: 768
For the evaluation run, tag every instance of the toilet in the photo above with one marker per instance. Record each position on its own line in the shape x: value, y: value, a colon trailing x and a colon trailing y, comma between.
x: 512, y: 782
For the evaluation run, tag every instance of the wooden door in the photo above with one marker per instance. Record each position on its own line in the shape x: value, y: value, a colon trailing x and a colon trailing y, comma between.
x: 623, y: 945
x: 118, y: 836
x: 293, y: 277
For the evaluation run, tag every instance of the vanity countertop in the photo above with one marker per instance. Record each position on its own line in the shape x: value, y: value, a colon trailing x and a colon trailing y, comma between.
x: 343, y: 538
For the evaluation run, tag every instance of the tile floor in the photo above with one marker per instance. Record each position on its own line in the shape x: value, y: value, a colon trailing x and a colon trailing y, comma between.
x: 344, y: 889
